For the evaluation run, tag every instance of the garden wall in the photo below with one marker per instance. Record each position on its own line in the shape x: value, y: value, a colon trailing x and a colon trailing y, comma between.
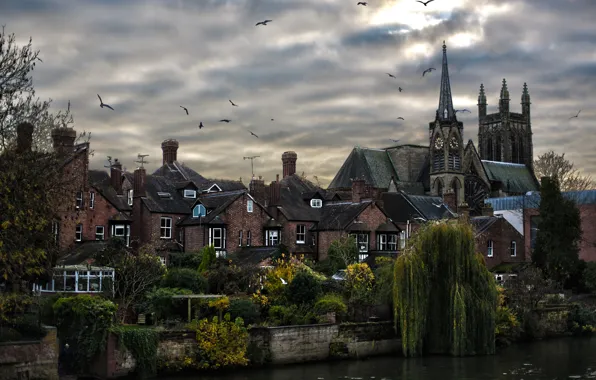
x: 267, y: 345
x: 30, y: 360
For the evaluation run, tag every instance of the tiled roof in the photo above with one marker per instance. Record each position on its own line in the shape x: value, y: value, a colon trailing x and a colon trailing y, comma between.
x: 293, y: 205
x: 182, y: 175
x: 100, y: 180
x: 585, y: 197
x: 82, y: 253
x: 339, y: 215
x: 372, y: 165
x: 516, y: 178
x: 175, y: 203
x: 483, y: 223
x: 402, y: 207
x: 215, y: 203
x: 253, y: 255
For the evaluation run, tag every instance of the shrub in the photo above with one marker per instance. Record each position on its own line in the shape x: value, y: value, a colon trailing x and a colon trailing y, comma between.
x: 16, y: 321
x: 220, y: 343
x: 383, y: 287
x: 208, y: 257
x: 331, y: 303
x: 589, y: 275
x: 160, y: 303
x: 507, y: 326
x: 185, y: 278
x: 582, y: 320
x: 142, y: 343
x: 84, y: 322
x: 304, y: 289
x: 291, y: 315
x: 359, y: 283
x: 185, y: 260
x: 245, y: 309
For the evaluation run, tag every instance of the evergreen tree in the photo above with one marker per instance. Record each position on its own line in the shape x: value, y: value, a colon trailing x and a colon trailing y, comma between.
x: 559, y: 232
x: 445, y: 298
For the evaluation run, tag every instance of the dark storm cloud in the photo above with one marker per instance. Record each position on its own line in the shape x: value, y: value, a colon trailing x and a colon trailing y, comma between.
x: 318, y: 69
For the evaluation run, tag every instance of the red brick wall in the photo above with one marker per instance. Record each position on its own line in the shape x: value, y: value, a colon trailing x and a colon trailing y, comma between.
x: 588, y: 221
x: 289, y: 235
x: 502, y: 234
x: 152, y: 227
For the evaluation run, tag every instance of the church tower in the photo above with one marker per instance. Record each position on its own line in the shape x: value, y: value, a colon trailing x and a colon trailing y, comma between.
x: 505, y: 136
x: 446, y: 143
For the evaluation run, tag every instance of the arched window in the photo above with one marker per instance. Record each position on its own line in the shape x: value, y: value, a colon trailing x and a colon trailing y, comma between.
x: 456, y: 186
x: 439, y: 187
x: 521, y: 152
x: 199, y: 210
x: 445, y: 113
x: 489, y: 149
x: 514, y: 149
x: 498, y: 145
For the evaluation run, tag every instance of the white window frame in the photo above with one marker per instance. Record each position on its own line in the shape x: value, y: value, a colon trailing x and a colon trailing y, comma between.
x: 248, y: 238
x: 513, y: 248
x: 56, y: 231
x: 382, y: 242
x: 165, y: 227
x: 402, y: 240
x: 220, y: 250
x: 490, y: 245
x: 211, y: 190
x: 300, y: 233
x: 392, y: 240
x: 125, y: 232
x: 363, y: 243
x: 91, y: 199
x: 272, y: 239
x: 102, y: 234
x: 79, y: 232
x: 240, y: 238
x: 249, y: 205
x: 129, y: 197
x: 198, y: 209
x: 162, y: 260
x: 79, y: 200
x: 316, y: 203
x: 190, y: 193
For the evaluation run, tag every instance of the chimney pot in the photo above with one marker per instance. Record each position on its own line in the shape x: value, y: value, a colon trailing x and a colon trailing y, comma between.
x: 169, y: 149
x: 140, y: 176
x: 24, y: 137
x: 63, y: 139
x: 288, y: 160
x: 116, y: 176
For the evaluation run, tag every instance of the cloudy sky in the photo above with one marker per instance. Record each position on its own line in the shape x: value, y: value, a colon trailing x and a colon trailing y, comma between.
x: 318, y: 69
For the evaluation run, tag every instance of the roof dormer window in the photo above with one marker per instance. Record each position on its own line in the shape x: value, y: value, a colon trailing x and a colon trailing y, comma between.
x: 316, y: 203
x: 198, y: 211
x: 189, y: 193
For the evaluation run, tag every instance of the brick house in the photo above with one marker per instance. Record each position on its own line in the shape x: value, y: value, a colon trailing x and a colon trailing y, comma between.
x: 499, y: 241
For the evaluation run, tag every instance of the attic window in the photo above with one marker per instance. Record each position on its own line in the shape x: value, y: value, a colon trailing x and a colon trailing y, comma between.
x: 164, y: 195
x: 190, y: 194
x: 316, y: 203
x: 199, y: 210
x: 214, y: 188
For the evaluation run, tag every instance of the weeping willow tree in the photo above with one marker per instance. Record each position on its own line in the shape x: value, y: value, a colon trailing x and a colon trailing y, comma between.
x: 445, y: 298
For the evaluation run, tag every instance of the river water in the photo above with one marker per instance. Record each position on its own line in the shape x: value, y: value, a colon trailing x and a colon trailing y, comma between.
x: 553, y: 359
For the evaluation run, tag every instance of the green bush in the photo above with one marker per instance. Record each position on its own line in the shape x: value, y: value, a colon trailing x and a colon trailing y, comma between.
x: 185, y: 278
x: 185, y: 260
x: 331, y: 303
x: 292, y: 315
x: 589, y: 275
x: 160, y: 302
x: 245, y: 309
x: 142, y: 343
x: 581, y: 320
x: 304, y: 289
x: 208, y: 257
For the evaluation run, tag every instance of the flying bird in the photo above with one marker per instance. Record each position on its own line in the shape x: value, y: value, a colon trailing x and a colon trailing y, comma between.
x: 235, y: 105
x: 201, y: 125
x: 390, y: 75
x: 400, y: 89
x: 395, y: 141
x: 464, y: 110
x: 362, y: 3
x: 263, y: 22
x: 252, y: 133
x: 271, y: 119
x: 225, y: 120
x: 430, y: 69
x: 401, y: 118
x: 102, y: 104
x: 184, y: 108
x: 575, y: 115
x: 422, y: 2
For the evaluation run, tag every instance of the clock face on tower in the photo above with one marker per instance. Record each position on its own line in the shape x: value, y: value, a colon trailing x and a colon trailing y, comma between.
x: 439, y: 143
x: 453, y: 143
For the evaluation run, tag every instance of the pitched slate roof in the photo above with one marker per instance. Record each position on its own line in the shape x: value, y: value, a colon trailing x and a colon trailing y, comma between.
x: 483, y: 223
x: 175, y: 203
x: 181, y: 174
x: 293, y: 205
x: 253, y: 255
x: 584, y: 197
x: 339, y: 215
x: 82, y: 253
x: 372, y: 165
x: 402, y: 207
x: 100, y: 180
x: 516, y: 178
x: 215, y: 203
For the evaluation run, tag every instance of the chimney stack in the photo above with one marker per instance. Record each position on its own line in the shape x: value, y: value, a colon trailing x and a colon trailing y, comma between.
x: 288, y: 160
x: 24, y: 137
x: 169, y: 150
x: 116, y: 176
x: 358, y: 189
x: 274, y: 192
x: 64, y: 139
x: 137, y: 236
x: 450, y: 199
x: 140, y: 176
x: 256, y: 188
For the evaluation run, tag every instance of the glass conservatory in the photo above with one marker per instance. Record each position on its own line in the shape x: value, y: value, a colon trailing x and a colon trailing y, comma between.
x: 79, y: 279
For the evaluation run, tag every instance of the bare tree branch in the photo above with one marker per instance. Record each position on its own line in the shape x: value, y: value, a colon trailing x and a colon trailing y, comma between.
x: 554, y: 165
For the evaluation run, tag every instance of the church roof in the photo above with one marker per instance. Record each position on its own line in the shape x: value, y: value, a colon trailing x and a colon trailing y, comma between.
x: 372, y: 165
x: 516, y: 178
x: 402, y: 207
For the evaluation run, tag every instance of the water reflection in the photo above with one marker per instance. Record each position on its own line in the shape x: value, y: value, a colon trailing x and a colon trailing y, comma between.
x: 554, y: 359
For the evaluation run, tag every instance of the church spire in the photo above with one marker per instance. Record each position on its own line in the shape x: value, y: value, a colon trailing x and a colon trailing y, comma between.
x: 445, y: 110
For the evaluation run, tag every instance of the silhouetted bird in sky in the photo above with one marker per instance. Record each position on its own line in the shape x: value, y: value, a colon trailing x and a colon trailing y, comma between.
x: 400, y: 89
x: 225, y: 120
x: 575, y: 115
x: 430, y: 69
x: 395, y: 141
x: 263, y: 22
x: 390, y: 75
x: 252, y: 133
x: 102, y: 104
x: 201, y: 125
x: 422, y: 2
x: 362, y: 3
x: 271, y: 119
x: 184, y: 108
x: 401, y: 118
x: 235, y: 105
x: 464, y: 110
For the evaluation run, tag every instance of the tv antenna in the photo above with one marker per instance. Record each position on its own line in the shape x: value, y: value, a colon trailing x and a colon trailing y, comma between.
x: 141, y: 158
x: 252, y: 167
